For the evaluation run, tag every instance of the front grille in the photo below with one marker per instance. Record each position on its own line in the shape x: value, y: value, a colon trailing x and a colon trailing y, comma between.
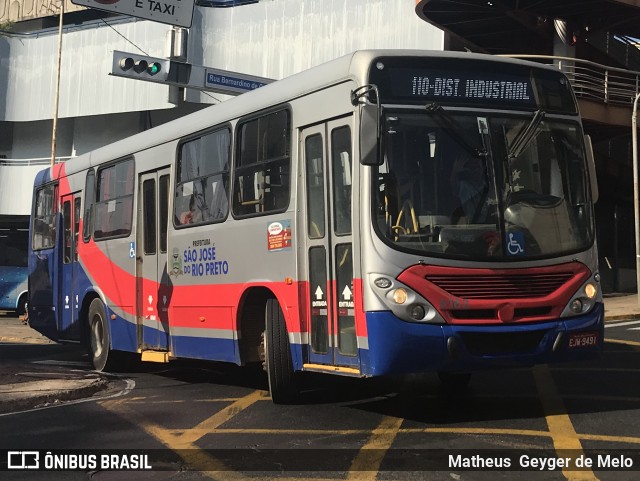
x: 495, y: 343
x: 512, y: 286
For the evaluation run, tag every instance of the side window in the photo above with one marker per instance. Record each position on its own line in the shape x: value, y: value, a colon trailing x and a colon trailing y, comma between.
x: 202, y: 180
x: 89, y: 200
x: 114, y: 205
x: 44, y: 220
x: 261, y: 177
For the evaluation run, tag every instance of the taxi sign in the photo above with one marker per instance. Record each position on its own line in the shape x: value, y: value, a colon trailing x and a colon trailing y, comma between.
x: 172, y: 12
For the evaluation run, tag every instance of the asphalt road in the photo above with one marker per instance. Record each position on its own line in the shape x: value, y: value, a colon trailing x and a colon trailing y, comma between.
x: 210, y: 421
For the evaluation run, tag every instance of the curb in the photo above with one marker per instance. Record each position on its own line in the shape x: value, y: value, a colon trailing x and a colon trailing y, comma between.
x: 25, y: 340
x: 52, y: 398
x: 622, y: 317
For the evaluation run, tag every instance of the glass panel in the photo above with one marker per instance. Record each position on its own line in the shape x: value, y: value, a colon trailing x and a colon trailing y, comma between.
x: 460, y: 186
x: 89, y: 199
x: 114, y: 209
x: 44, y: 220
x: 342, y: 172
x: 344, y: 285
x: 262, y: 182
x: 315, y: 186
x: 318, y: 296
x: 149, y: 216
x: 76, y: 226
x: 66, y: 215
x: 164, y: 211
x: 203, y: 180
x: 13, y: 248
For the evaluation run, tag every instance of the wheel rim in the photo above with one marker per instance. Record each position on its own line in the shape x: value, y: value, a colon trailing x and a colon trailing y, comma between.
x: 97, y: 337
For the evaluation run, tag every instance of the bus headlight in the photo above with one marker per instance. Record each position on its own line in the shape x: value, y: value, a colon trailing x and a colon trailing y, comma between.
x: 584, y: 299
x: 590, y: 290
x: 400, y: 296
x: 417, y: 312
x: 401, y: 300
x: 576, y: 306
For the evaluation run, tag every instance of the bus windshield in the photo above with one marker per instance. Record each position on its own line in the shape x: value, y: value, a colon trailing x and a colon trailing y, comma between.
x: 488, y: 187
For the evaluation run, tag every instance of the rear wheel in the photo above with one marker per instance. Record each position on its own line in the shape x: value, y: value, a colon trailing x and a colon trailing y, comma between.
x: 102, y: 356
x: 277, y: 353
x: 23, y: 304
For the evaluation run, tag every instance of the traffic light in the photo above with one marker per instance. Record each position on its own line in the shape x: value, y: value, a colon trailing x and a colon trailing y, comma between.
x: 141, y: 67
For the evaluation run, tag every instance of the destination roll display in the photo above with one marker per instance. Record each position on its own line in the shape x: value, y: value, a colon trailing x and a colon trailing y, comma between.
x: 472, y: 82
x: 457, y: 86
x: 470, y: 88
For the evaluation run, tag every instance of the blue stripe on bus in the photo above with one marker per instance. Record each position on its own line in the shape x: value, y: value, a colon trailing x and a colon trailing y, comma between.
x: 207, y: 348
x: 397, y: 347
x: 124, y: 335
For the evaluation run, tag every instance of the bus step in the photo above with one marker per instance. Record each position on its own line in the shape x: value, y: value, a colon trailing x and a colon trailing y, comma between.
x: 347, y: 371
x: 155, y: 356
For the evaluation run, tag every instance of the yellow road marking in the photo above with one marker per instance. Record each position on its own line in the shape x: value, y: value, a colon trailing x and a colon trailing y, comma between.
x: 564, y: 437
x: 367, y: 463
x: 182, y: 443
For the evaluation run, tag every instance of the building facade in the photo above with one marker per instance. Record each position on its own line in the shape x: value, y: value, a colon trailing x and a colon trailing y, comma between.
x: 272, y: 38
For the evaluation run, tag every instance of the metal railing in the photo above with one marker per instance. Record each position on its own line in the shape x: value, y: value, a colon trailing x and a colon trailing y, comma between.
x: 31, y: 162
x: 594, y: 81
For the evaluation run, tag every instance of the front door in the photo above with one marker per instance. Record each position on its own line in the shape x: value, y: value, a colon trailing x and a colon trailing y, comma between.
x: 151, y: 267
x: 328, y: 164
x: 68, y: 317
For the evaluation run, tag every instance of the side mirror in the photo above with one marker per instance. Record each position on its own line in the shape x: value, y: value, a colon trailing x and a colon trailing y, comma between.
x: 591, y: 165
x: 370, y: 135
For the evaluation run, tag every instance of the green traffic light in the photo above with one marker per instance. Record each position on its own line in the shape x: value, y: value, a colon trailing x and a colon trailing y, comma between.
x: 153, y: 68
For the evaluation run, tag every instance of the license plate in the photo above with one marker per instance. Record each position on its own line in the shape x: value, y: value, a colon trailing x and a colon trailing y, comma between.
x: 583, y: 339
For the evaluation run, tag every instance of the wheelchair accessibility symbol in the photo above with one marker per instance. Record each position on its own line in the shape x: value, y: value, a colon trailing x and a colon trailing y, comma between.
x: 132, y: 250
x: 515, y: 246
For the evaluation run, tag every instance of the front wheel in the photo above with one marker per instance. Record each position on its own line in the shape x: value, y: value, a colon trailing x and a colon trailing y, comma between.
x: 102, y: 356
x: 278, y: 362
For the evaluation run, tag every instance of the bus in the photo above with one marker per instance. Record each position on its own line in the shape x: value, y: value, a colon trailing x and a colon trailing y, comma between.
x: 14, y: 242
x: 387, y: 212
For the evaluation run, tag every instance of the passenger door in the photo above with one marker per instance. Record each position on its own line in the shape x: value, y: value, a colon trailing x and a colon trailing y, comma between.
x: 152, y: 285
x: 328, y: 167
x: 68, y: 318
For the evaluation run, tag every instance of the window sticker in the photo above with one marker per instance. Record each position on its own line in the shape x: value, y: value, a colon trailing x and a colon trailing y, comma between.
x: 279, y: 236
x: 515, y: 243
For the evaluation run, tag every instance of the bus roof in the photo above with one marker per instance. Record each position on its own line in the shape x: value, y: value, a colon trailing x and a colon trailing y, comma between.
x: 349, y: 67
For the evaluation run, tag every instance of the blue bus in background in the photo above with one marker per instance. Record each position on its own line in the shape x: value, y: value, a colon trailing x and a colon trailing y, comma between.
x: 14, y: 243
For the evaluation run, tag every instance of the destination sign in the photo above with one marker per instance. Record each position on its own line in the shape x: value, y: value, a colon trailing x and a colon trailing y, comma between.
x: 436, y: 85
x: 477, y: 82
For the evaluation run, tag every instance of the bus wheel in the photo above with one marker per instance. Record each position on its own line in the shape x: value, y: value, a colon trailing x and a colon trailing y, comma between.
x: 23, y: 304
x: 102, y: 356
x: 279, y: 365
x: 454, y: 381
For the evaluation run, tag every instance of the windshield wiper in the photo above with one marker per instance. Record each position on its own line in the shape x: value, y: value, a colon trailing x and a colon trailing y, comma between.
x: 451, y: 124
x: 525, y: 136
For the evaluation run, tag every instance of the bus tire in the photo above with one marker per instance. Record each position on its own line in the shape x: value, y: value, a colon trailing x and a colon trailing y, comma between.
x: 23, y: 304
x: 102, y: 356
x: 279, y: 365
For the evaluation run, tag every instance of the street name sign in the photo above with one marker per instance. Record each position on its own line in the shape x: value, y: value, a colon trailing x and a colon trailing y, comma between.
x: 172, y: 12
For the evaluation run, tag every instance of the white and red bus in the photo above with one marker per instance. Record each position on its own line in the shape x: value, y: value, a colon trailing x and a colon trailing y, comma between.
x: 387, y: 212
